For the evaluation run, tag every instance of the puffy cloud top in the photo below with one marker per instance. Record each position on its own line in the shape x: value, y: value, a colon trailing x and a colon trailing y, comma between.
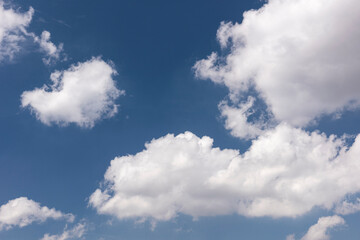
x: 285, y: 173
x: 320, y: 230
x: 83, y: 94
x: 23, y: 211
x: 302, y: 57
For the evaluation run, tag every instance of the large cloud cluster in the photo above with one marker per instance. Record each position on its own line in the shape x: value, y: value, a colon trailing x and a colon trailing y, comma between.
x: 285, y: 173
x: 290, y: 55
x: 300, y: 56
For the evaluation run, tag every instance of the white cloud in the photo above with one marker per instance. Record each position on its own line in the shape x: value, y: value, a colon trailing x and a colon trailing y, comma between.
x: 290, y: 237
x: 320, y: 230
x: 83, y: 94
x: 12, y: 30
x: 76, y: 232
x: 236, y: 120
x: 301, y: 56
x: 346, y: 207
x: 22, y: 212
x: 285, y: 173
x: 52, y: 51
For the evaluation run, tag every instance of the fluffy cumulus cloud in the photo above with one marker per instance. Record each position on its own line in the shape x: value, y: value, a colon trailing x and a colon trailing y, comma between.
x: 320, y: 231
x: 23, y: 211
x: 12, y: 30
x: 77, y: 232
x: 285, y: 173
x: 300, y: 56
x: 83, y: 94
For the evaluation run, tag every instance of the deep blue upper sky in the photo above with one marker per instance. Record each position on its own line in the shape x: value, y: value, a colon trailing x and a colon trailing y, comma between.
x: 153, y: 45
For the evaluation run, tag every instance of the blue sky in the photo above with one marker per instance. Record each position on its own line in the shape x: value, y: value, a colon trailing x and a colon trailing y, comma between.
x: 250, y: 121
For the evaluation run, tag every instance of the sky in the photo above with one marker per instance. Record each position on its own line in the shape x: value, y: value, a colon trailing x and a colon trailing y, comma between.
x: 182, y: 120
